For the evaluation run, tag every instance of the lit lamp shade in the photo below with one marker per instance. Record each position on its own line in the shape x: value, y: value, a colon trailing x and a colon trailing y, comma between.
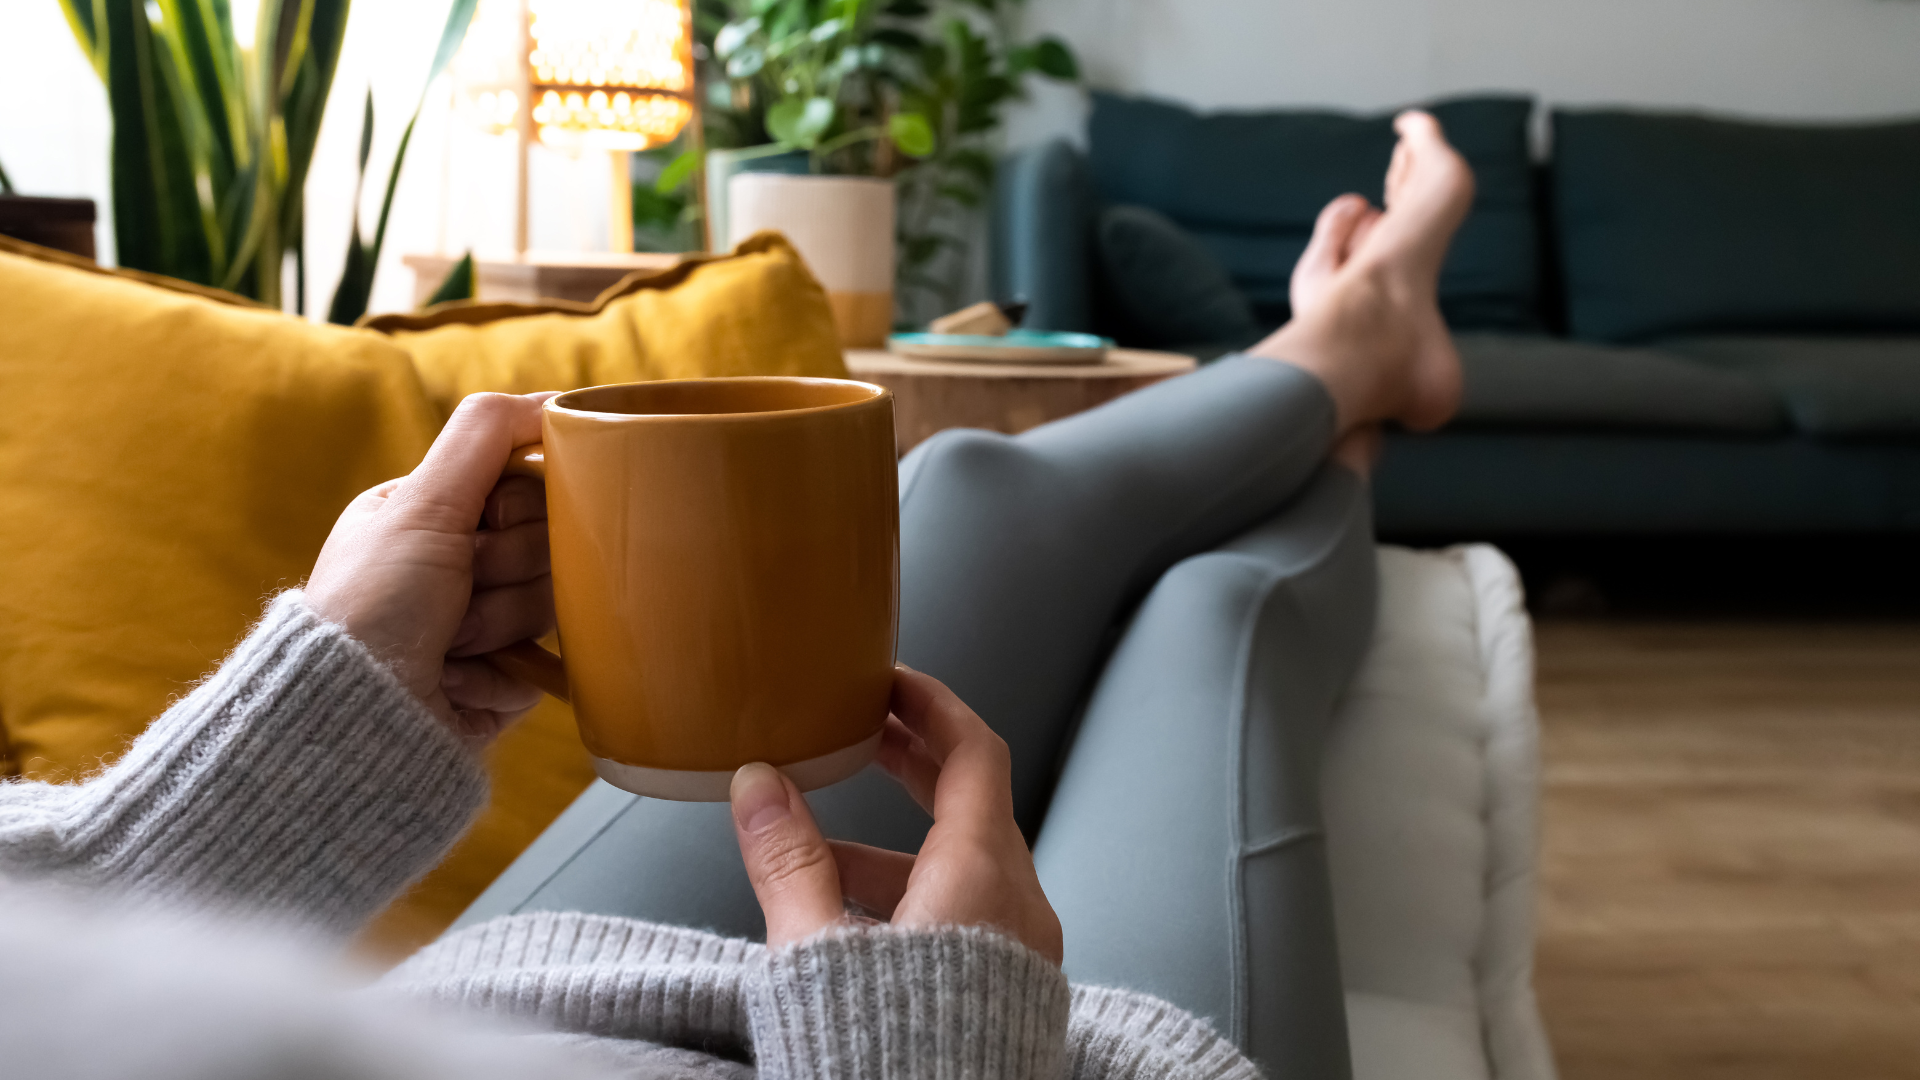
x: 609, y: 74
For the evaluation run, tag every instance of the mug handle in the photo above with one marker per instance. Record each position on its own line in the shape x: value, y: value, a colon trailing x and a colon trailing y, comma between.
x: 526, y: 660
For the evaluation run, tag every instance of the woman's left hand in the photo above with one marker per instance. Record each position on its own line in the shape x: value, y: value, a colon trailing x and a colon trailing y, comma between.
x: 974, y: 868
x: 408, y: 571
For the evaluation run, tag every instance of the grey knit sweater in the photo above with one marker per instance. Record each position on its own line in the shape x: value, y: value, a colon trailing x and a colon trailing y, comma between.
x: 171, y: 916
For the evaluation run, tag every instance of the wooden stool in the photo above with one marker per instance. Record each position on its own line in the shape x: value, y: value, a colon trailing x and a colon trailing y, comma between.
x: 933, y: 395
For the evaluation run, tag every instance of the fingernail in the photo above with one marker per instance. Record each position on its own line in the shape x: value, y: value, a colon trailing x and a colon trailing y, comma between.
x: 898, y: 666
x: 759, y: 797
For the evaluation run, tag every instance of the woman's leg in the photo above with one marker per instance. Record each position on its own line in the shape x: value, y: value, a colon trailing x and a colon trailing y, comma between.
x: 1183, y: 849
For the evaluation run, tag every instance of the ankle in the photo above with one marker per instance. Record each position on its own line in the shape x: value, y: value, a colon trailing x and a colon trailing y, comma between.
x: 1304, y: 346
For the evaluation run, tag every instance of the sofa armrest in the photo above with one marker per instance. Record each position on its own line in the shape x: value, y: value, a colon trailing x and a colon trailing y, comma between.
x: 1042, y: 209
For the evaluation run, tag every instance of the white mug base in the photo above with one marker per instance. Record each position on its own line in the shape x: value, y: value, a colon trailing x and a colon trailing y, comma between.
x: 685, y: 785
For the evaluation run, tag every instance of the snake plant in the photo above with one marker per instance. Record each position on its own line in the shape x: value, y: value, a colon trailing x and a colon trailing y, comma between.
x: 212, y: 138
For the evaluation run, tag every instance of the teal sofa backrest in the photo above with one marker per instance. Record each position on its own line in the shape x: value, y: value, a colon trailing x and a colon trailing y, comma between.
x: 1673, y: 224
x: 1249, y: 185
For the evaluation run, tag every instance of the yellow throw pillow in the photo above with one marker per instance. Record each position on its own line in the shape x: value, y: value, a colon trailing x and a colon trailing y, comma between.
x: 172, y: 455
x: 168, y: 460
x: 755, y: 312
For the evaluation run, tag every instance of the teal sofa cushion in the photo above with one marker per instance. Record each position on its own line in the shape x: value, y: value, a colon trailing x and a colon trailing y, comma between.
x: 1833, y: 387
x: 1677, y: 224
x: 1164, y: 285
x: 1249, y: 185
x: 1541, y: 383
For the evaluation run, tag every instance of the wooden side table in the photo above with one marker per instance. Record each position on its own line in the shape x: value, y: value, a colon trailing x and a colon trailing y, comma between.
x: 933, y: 395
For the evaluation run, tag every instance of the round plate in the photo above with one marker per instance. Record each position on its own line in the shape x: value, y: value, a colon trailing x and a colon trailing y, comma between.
x: 1018, y: 347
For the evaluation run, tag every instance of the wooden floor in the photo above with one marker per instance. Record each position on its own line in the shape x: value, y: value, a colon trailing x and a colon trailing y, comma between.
x: 1731, y: 849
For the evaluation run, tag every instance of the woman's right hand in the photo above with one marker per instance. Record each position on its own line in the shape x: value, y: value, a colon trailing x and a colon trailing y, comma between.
x: 974, y: 868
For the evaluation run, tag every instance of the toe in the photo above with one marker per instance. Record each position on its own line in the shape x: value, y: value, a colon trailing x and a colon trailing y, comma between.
x: 1333, y: 232
x: 1418, y: 125
x: 1363, y: 229
x: 1334, y: 235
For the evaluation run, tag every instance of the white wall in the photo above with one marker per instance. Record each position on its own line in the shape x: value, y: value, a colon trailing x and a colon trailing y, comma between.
x: 1785, y: 58
x: 53, y: 114
x: 1789, y: 58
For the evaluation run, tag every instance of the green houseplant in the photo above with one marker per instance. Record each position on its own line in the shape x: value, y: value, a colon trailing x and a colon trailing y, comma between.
x: 912, y: 90
x: 212, y: 139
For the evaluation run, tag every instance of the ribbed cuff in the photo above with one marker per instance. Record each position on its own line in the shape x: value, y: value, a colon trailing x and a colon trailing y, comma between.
x: 884, y: 1004
x: 1122, y: 1035
x: 593, y: 975
x: 300, y: 780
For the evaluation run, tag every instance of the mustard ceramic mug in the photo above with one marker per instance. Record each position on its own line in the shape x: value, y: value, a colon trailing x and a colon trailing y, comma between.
x: 725, y: 577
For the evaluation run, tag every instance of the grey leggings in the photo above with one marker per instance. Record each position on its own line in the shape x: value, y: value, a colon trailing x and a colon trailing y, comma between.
x: 1156, y: 603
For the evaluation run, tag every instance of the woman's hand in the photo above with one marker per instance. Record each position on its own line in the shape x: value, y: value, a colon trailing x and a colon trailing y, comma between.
x: 409, y: 573
x: 973, y: 870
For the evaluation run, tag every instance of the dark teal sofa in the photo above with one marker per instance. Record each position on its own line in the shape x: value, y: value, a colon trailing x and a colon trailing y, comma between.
x: 1673, y: 324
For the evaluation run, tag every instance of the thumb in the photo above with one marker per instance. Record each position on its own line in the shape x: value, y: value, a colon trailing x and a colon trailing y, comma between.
x: 788, y: 861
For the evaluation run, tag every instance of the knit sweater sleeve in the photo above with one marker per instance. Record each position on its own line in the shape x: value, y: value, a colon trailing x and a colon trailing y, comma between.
x: 863, y: 1004
x: 300, y: 779
x: 884, y: 1004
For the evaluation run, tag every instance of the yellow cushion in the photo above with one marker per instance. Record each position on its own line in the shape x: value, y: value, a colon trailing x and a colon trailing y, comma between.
x: 167, y: 460
x: 172, y: 455
x: 755, y: 312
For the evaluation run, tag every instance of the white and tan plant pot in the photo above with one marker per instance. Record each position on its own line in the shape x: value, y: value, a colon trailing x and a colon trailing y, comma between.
x: 842, y: 226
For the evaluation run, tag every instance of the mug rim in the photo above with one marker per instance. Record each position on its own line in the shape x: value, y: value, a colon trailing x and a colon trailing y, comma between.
x: 876, y: 393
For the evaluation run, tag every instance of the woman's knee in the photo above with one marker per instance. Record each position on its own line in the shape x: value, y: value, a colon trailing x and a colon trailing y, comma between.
x: 964, y: 460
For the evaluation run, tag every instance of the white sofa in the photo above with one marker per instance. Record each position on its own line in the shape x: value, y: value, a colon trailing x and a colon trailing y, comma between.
x: 1431, y: 792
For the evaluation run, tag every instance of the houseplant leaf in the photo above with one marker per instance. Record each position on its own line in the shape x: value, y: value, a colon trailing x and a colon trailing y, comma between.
x: 156, y: 209
x: 679, y: 171
x: 912, y: 133
x: 1052, y: 58
x: 356, y: 286
x: 733, y: 35
x: 800, y: 121
x: 305, y: 102
x: 457, y: 285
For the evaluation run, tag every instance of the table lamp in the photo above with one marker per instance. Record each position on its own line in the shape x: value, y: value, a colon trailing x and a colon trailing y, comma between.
x: 600, y: 76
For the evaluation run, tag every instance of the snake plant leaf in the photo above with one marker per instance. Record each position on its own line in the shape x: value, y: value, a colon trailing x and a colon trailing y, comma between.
x: 366, y: 135
x: 356, y: 274
x: 82, y: 20
x: 679, y: 171
x: 306, y: 101
x: 210, y: 66
x: 207, y: 160
x: 356, y: 285
x: 156, y: 208
x: 6, y: 182
x: 457, y: 285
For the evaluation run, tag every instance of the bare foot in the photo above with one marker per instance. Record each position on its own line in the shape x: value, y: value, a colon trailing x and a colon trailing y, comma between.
x: 1365, y: 294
